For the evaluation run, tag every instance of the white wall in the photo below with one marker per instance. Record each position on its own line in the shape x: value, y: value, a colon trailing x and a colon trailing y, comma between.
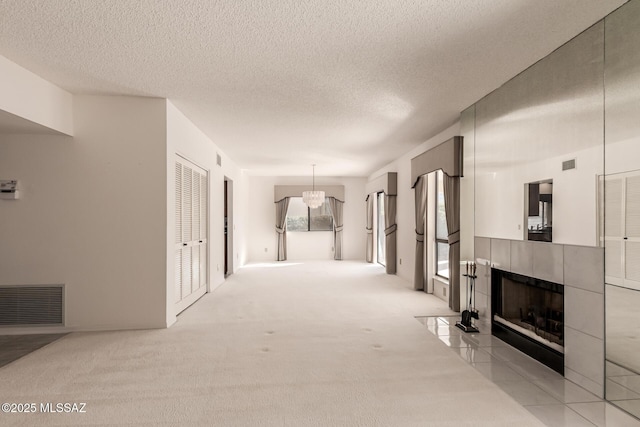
x: 405, y: 216
x: 29, y: 96
x: 315, y: 245
x: 92, y: 213
x: 622, y: 156
x: 96, y: 211
x: 500, y: 196
x: 185, y: 139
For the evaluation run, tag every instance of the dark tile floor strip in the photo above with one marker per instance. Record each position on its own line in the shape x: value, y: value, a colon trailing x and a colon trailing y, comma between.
x: 13, y: 347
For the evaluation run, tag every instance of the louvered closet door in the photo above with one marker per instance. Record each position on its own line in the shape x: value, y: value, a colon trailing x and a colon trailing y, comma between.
x: 622, y: 230
x: 632, y: 233
x: 190, y: 233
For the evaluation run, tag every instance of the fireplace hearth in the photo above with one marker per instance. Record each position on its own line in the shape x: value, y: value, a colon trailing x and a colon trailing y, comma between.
x: 528, y: 313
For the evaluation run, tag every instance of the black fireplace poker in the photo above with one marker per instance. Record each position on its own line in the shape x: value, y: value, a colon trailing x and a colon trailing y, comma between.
x: 466, y: 323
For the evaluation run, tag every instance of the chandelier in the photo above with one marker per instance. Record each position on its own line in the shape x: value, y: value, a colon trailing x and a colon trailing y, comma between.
x: 313, y: 199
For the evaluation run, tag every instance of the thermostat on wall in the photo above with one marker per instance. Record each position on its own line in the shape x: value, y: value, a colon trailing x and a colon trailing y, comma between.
x: 9, y: 189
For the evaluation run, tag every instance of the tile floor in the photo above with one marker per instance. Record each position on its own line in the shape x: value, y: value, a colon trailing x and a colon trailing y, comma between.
x: 13, y: 347
x: 542, y: 391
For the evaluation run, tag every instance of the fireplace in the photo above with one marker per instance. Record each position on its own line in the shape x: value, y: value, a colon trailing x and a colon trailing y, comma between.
x: 528, y: 314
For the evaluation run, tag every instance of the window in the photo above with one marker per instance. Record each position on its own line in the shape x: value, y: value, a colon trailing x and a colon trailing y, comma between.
x: 442, y: 239
x: 301, y: 218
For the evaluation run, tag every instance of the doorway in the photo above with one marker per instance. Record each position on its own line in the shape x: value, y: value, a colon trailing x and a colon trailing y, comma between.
x: 228, y: 226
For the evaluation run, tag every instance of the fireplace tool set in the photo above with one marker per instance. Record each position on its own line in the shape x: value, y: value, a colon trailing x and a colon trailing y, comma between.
x: 466, y: 324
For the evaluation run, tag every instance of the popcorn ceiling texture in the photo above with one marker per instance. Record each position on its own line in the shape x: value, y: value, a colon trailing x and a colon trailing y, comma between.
x: 281, y: 84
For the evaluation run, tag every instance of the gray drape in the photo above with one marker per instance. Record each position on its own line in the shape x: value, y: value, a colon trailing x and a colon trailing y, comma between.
x: 336, y: 212
x: 421, y: 209
x: 447, y: 156
x: 452, y: 211
x: 390, y: 233
x: 369, y: 228
x: 281, y: 227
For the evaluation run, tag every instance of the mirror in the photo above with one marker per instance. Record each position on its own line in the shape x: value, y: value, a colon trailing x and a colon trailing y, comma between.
x: 620, y: 227
x: 622, y: 289
x: 539, y: 208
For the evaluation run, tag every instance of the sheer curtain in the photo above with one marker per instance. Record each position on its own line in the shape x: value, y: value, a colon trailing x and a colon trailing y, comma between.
x: 369, y: 228
x: 421, y: 209
x: 452, y: 211
x: 390, y: 233
x: 336, y: 211
x: 281, y: 227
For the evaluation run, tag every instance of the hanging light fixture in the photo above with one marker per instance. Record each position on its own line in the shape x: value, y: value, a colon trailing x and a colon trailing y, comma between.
x: 313, y: 199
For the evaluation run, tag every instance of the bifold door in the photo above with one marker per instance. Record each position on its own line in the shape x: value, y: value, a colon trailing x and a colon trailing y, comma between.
x: 622, y: 229
x: 191, y: 233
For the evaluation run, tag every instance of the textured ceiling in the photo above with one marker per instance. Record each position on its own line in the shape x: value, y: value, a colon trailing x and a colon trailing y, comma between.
x: 281, y: 84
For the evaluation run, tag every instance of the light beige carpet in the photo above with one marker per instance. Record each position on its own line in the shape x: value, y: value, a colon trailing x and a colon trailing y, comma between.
x: 312, y: 344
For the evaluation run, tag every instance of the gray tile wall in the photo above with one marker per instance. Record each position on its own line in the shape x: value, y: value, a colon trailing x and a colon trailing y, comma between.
x: 501, y: 254
x: 548, y: 262
x: 584, y: 316
x: 584, y: 268
x: 522, y: 257
x: 581, y: 270
x: 584, y: 360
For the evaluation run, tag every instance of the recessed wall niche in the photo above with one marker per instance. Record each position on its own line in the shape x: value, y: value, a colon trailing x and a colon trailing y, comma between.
x: 539, y: 211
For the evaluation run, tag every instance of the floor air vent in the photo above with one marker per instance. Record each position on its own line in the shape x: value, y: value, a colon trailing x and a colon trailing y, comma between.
x: 31, y: 305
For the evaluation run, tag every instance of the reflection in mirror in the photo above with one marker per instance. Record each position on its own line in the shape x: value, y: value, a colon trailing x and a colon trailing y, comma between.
x: 621, y: 203
x: 621, y: 239
x: 539, y: 210
x: 623, y: 348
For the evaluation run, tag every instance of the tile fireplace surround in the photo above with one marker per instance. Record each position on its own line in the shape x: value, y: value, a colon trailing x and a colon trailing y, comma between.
x: 580, y: 269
